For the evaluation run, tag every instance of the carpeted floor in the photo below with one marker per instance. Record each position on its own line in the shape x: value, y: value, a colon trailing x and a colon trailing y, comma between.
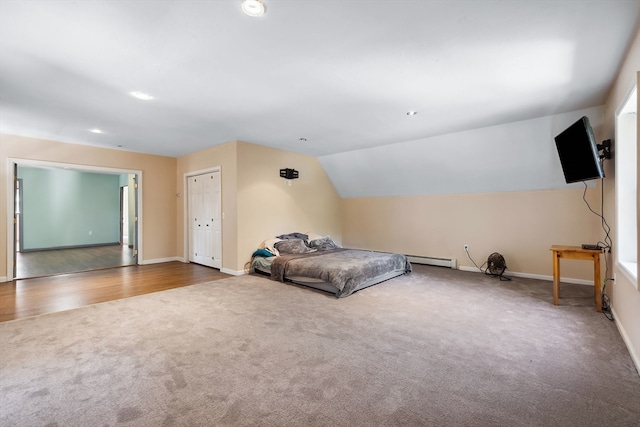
x: 438, y: 347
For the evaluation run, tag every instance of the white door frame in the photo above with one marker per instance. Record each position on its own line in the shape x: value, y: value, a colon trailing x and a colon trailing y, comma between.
x: 12, y: 162
x: 185, y: 206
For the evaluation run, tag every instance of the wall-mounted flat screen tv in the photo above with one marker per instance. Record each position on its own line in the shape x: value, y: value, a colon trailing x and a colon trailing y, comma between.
x: 578, y: 152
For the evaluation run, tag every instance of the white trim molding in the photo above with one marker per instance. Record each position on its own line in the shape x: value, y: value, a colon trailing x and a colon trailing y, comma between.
x: 627, y: 341
x: 534, y: 276
x: 161, y: 260
x: 234, y: 272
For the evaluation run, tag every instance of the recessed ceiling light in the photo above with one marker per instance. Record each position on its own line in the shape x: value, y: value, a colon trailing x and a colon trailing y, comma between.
x: 302, y: 139
x: 411, y: 113
x: 95, y: 131
x: 253, y: 7
x: 141, y: 95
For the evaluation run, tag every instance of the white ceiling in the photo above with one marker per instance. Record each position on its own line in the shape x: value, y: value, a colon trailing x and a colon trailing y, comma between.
x: 342, y: 74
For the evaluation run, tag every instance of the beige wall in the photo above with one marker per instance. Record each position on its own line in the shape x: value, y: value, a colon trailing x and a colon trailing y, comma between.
x: 158, y: 181
x: 519, y: 225
x: 267, y: 206
x: 624, y: 293
x: 257, y: 203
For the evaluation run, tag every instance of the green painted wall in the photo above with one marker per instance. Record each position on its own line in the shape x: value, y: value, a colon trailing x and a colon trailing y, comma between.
x: 63, y: 208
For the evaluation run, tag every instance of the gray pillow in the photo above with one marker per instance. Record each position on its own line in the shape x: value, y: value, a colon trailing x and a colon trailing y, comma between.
x: 293, y: 246
x: 295, y: 235
x: 323, y: 244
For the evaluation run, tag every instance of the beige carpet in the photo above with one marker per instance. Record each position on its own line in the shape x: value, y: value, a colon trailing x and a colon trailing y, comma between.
x: 438, y: 347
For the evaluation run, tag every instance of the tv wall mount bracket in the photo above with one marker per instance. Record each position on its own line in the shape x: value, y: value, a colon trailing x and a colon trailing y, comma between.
x: 605, y: 147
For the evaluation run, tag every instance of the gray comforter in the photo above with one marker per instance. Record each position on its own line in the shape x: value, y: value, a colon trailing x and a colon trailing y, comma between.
x: 346, y: 269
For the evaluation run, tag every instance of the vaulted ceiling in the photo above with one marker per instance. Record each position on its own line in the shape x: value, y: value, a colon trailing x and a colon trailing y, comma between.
x: 314, y: 77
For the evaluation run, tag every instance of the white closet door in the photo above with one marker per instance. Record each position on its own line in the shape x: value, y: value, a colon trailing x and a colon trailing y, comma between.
x: 196, y: 210
x: 204, y: 210
x: 214, y: 213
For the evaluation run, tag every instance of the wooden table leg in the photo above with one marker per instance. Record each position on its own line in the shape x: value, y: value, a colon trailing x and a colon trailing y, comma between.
x: 556, y: 277
x: 596, y: 282
x: 576, y: 252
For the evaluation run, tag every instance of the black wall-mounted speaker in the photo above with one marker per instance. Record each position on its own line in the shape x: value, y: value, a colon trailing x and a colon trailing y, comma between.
x: 289, y: 173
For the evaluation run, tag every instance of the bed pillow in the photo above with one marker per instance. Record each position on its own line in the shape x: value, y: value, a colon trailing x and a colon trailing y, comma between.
x: 292, y: 236
x: 323, y: 244
x: 293, y: 246
x: 313, y: 236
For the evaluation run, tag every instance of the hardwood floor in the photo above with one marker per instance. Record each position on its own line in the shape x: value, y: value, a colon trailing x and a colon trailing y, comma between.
x: 49, y: 262
x: 28, y: 297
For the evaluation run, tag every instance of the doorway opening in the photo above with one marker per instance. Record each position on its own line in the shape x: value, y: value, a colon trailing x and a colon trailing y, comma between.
x: 124, y: 215
x: 69, y: 218
x: 18, y: 214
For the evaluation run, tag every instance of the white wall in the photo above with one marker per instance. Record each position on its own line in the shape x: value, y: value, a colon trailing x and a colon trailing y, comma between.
x: 519, y: 156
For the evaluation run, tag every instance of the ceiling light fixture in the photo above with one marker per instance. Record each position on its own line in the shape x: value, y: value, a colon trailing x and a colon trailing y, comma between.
x: 302, y: 139
x: 411, y: 113
x: 253, y: 7
x: 95, y: 131
x: 141, y: 95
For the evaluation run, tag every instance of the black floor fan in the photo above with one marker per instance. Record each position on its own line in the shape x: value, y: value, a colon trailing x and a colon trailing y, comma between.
x: 496, y: 265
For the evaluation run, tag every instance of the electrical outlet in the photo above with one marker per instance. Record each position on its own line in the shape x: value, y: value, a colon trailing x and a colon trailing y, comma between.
x: 466, y: 248
x: 90, y: 233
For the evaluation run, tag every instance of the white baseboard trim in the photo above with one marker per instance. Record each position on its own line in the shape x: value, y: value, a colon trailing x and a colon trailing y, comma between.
x: 534, y: 276
x: 635, y: 357
x: 234, y: 272
x: 4, y: 279
x: 181, y: 259
x: 160, y: 260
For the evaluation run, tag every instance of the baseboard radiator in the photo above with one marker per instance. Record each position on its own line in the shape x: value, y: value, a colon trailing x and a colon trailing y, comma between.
x: 427, y: 260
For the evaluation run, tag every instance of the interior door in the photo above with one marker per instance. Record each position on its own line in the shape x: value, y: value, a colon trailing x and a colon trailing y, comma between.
x: 204, y: 219
x: 196, y: 211
x: 213, y: 223
x: 123, y: 233
x: 134, y: 230
x: 17, y: 223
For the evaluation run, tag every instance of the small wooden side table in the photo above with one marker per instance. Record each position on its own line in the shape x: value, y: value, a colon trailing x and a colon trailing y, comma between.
x: 576, y: 252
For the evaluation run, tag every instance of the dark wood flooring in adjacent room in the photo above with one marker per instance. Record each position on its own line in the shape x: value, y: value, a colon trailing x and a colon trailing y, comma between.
x: 28, y: 297
x: 58, y: 261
